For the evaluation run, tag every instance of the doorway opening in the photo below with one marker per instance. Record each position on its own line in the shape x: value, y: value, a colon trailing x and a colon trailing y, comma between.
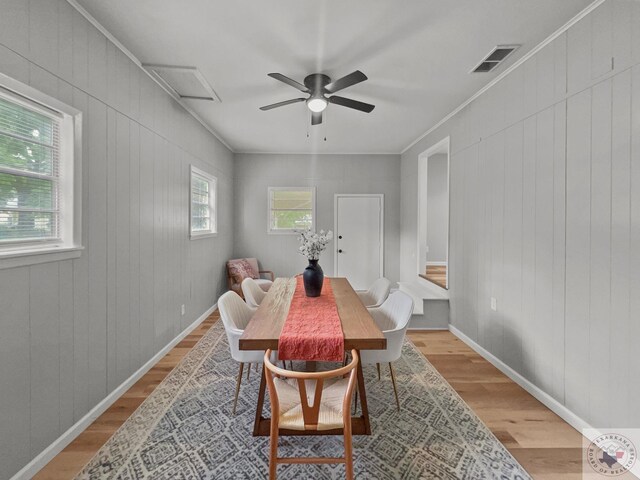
x: 433, y: 214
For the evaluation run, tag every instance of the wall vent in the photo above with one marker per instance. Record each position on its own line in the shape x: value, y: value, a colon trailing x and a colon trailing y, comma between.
x: 186, y: 82
x: 495, y: 57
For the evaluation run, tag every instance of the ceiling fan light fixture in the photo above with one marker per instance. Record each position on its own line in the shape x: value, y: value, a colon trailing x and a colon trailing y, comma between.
x: 317, y: 104
x: 317, y: 86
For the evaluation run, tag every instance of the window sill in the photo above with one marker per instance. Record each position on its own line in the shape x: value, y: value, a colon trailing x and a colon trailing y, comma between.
x: 282, y: 232
x: 21, y: 258
x: 197, y: 236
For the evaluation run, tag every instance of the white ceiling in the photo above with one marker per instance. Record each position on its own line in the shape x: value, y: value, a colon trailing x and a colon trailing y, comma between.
x: 416, y: 53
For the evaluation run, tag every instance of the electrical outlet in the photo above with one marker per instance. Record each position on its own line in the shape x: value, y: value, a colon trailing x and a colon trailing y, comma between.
x: 182, y: 310
x: 494, y: 304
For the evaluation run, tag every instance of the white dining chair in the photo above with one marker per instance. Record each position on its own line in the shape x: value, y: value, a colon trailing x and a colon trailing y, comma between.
x: 253, y: 293
x: 235, y: 316
x: 392, y: 317
x: 377, y: 293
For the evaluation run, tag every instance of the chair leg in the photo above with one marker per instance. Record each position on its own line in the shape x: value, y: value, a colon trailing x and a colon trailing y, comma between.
x: 395, y: 389
x: 378, y: 367
x: 238, y: 381
x: 248, y: 371
x: 273, y: 451
x: 348, y: 451
x: 257, y: 365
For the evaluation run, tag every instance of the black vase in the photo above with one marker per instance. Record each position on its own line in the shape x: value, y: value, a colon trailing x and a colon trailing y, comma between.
x: 312, y: 278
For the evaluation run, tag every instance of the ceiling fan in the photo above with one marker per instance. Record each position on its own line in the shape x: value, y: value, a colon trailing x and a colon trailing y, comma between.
x: 318, y: 86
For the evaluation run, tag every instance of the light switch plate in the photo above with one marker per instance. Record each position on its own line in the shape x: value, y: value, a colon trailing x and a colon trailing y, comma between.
x: 494, y: 304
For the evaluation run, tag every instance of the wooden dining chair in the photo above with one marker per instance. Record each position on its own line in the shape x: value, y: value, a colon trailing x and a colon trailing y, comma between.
x: 313, y: 401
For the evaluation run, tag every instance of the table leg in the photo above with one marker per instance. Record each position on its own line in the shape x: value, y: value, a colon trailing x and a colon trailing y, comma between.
x: 363, y: 399
x: 261, y: 391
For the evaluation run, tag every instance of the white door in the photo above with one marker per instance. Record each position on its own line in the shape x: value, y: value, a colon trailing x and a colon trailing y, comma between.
x: 359, y: 221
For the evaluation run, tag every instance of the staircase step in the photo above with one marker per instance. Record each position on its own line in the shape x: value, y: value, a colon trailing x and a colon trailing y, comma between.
x: 420, y: 293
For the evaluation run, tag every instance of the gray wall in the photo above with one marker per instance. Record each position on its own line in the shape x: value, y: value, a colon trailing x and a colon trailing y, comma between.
x: 330, y: 174
x: 545, y: 216
x: 71, y: 331
x: 437, y: 207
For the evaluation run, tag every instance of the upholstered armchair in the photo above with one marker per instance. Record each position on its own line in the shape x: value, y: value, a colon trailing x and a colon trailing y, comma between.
x: 240, y: 268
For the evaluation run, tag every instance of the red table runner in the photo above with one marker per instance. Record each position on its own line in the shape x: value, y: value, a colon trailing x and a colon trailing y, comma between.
x: 312, y: 330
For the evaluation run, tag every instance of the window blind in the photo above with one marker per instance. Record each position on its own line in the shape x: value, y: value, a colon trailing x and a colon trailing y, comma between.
x: 291, y: 209
x: 202, y: 203
x: 29, y: 174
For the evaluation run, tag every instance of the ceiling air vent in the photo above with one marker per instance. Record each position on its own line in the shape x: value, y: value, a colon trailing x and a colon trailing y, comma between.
x: 495, y: 57
x: 186, y: 82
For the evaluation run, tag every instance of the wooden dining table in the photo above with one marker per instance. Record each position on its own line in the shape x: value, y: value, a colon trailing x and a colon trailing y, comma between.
x: 359, y: 330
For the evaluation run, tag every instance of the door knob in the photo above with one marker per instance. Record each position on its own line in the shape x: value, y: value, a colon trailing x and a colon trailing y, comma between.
x: 340, y: 237
x: 340, y: 251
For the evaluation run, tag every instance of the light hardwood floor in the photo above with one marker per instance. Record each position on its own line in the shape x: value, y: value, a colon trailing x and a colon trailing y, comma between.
x: 544, y: 444
x: 436, y: 274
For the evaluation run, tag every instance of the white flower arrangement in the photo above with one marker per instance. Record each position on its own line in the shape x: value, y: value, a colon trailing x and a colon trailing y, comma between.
x: 312, y: 244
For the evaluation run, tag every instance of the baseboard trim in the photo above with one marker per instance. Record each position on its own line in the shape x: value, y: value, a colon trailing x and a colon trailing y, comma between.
x: 551, y: 403
x: 42, y: 459
x: 428, y: 329
x: 436, y: 264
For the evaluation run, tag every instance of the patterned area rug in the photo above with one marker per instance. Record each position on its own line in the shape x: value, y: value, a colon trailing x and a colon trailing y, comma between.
x: 185, y: 430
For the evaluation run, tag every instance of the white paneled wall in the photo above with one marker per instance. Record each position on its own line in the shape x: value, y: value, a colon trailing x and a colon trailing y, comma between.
x: 330, y: 174
x: 72, y: 331
x: 545, y: 217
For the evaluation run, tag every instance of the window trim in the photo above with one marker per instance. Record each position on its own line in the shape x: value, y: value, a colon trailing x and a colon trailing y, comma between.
x: 213, y: 203
x: 69, y: 243
x: 289, y: 231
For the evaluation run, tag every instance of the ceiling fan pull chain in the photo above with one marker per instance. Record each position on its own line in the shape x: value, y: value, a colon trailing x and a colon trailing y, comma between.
x: 324, y: 125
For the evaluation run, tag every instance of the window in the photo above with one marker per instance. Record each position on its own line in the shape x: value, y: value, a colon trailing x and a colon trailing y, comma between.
x: 38, y: 208
x: 203, y: 203
x: 291, y: 208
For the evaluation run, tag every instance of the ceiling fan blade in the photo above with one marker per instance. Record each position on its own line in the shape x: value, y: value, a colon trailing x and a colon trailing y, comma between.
x: 316, y: 118
x: 288, y: 81
x: 347, y: 81
x: 347, y: 102
x: 282, y: 104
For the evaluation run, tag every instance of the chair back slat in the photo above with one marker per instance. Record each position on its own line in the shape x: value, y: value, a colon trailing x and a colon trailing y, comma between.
x: 310, y: 413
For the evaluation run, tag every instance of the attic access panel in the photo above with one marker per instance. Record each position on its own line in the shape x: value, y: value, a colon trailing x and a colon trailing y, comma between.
x: 186, y: 82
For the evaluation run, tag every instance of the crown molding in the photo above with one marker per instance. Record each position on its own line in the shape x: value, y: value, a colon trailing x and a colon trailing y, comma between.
x: 249, y: 152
